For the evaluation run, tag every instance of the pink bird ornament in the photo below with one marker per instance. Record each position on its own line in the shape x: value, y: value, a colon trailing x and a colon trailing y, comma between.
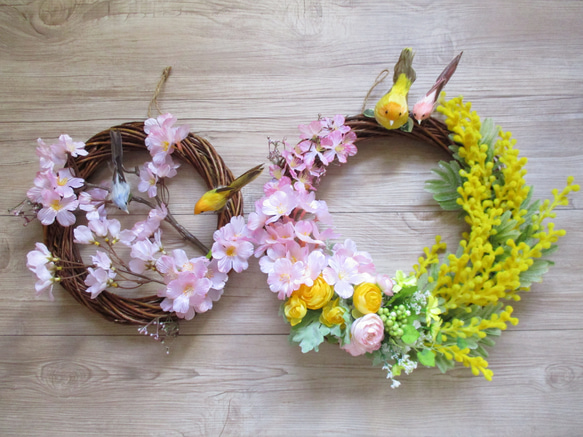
x: 423, y: 109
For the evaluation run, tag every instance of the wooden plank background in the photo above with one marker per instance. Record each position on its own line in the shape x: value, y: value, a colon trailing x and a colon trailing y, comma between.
x: 243, y: 71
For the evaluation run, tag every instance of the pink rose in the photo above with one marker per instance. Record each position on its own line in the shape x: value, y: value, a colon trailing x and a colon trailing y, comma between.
x: 366, y: 335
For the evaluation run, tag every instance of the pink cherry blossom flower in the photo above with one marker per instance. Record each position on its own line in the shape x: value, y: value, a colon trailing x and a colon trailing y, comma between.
x: 218, y: 279
x: 342, y: 272
x: 66, y: 145
x: 321, y: 211
x: 366, y: 335
x: 98, y: 280
x: 185, y: 292
x: 146, y: 228
x: 232, y: 255
x: 158, y: 214
x: 40, y: 257
x: 148, y: 180
x: 280, y: 233
x: 256, y: 221
x: 314, y: 264
x: 281, y: 184
x: 314, y: 155
x: 92, y: 202
x: 213, y: 295
x: 303, y: 231
x: 65, y: 182
x: 307, y: 179
x: 235, y: 230
x: 59, y: 208
x: 295, y: 163
x: 277, y: 205
x: 364, y: 259
x: 163, y: 136
x: 273, y: 253
x: 99, y: 226
x: 165, y: 168
x: 312, y: 130
x: 170, y: 266
x: 101, y: 260
x: 47, y: 157
x: 84, y: 235
x: 166, y: 266
x: 113, y: 229
x: 385, y: 283
x: 42, y: 263
x: 44, y: 182
x: 337, y: 147
x: 231, y: 247
x: 144, y: 253
x: 336, y: 123
x: 285, y: 277
x: 46, y: 280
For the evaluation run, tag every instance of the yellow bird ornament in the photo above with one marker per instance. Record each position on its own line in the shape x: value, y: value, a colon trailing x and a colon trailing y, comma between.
x: 217, y: 198
x: 392, y: 110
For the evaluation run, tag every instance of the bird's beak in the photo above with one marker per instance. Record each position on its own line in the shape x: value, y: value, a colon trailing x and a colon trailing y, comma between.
x: 419, y: 121
x: 390, y: 122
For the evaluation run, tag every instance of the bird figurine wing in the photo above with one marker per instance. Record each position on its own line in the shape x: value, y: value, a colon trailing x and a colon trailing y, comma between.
x: 217, y: 198
x: 120, y: 189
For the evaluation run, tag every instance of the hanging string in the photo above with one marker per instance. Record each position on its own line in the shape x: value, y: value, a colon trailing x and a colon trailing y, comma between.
x: 161, y: 82
x: 380, y: 78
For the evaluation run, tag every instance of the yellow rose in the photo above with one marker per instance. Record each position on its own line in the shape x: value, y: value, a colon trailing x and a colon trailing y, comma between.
x: 295, y: 309
x: 367, y: 298
x: 332, y: 314
x: 317, y: 295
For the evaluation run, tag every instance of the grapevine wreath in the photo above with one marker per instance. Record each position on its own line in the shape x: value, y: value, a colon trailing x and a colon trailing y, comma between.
x: 62, y: 193
x: 449, y: 308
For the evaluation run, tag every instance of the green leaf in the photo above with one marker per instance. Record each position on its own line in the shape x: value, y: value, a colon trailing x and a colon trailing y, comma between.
x: 489, y: 133
x: 310, y: 333
x: 410, y: 334
x: 368, y: 113
x: 508, y: 229
x: 426, y: 357
x: 480, y: 351
x: 443, y: 364
x: 402, y: 295
x: 308, y: 337
x: 408, y: 127
x: 462, y: 343
x: 444, y: 189
x: 535, y: 272
x: 396, y: 370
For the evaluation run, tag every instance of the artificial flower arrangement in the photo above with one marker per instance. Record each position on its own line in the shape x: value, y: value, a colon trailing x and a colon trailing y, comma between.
x: 187, y: 284
x: 446, y: 309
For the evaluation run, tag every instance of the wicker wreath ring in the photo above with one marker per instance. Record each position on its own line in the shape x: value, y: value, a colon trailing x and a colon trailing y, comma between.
x: 449, y: 308
x: 197, y: 152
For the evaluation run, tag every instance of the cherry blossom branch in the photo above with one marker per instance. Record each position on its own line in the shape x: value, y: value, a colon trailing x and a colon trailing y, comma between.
x: 179, y: 228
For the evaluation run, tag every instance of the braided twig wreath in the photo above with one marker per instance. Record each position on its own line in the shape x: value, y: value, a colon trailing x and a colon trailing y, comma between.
x: 60, y: 260
x: 447, y: 310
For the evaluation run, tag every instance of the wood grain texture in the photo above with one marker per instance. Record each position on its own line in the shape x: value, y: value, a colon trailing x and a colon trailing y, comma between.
x: 242, y: 72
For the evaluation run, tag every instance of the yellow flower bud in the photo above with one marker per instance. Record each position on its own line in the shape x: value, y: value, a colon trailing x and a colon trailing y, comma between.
x: 295, y: 309
x: 332, y: 314
x: 317, y: 295
x: 367, y: 298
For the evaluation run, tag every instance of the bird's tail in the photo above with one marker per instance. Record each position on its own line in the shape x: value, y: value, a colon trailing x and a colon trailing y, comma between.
x: 405, y: 65
x: 445, y: 76
x: 246, y: 178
